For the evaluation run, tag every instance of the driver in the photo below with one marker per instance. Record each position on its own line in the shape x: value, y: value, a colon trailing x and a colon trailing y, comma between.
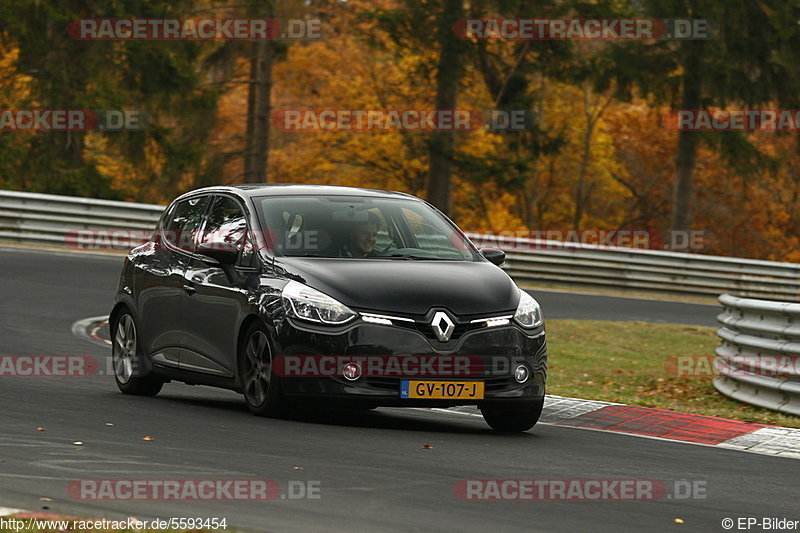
x: 361, y: 240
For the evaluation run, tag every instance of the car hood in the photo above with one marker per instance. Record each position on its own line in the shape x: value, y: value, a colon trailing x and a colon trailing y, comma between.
x: 408, y: 286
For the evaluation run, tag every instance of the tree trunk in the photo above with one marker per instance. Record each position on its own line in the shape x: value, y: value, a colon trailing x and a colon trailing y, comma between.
x: 684, y: 177
x: 585, y: 159
x: 258, y: 106
x: 440, y: 146
x: 687, y: 140
x: 249, y: 137
x: 580, y: 195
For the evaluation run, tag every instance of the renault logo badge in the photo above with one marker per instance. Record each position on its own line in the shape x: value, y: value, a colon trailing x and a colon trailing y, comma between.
x: 442, y: 326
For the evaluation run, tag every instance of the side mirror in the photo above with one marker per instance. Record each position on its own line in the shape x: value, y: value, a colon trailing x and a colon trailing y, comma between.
x: 497, y: 257
x: 222, y: 253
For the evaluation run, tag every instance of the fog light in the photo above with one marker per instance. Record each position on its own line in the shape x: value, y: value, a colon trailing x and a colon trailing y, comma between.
x: 351, y: 371
x: 521, y: 374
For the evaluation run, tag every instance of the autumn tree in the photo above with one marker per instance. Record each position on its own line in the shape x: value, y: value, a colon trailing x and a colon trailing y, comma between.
x: 736, y: 65
x: 162, y: 80
x: 427, y: 25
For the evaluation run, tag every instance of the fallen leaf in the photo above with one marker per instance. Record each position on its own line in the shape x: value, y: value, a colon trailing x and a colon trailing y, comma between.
x: 679, y: 520
x: 41, y: 429
x: 148, y: 438
x: 427, y: 446
x: 109, y: 424
x: 45, y: 499
x: 78, y: 443
x: 297, y: 468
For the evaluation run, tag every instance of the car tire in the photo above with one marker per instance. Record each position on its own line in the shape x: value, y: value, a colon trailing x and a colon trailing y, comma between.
x: 127, y: 359
x: 513, y: 420
x: 261, y: 387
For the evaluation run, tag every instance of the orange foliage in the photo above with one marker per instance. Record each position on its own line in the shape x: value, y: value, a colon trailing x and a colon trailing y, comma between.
x: 628, y: 172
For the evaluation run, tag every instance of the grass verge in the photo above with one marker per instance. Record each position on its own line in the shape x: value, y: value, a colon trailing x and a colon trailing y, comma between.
x: 628, y: 362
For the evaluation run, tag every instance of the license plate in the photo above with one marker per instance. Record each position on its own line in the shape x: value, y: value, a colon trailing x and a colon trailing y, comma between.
x: 448, y: 390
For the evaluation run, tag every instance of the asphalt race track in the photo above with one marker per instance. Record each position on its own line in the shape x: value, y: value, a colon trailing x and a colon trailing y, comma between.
x: 374, y: 471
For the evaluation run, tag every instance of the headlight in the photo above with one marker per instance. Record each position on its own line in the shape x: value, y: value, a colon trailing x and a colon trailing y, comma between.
x: 304, y: 302
x: 529, y: 314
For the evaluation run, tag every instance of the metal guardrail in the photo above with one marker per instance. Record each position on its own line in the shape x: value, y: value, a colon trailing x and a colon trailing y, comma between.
x: 46, y: 219
x: 759, y: 357
x: 564, y: 264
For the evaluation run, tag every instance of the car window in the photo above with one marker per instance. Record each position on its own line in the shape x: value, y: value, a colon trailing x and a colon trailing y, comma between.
x: 227, y: 223
x: 185, y: 221
x: 353, y: 227
x: 429, y: 234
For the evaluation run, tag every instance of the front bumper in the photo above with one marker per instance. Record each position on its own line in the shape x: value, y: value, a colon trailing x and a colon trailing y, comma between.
x: 493, y: 353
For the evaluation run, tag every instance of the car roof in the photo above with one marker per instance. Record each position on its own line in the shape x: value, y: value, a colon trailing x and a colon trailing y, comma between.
x: 250, y: 190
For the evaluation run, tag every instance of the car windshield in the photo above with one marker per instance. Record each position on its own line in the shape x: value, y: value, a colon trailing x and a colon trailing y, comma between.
x: 361, y: 227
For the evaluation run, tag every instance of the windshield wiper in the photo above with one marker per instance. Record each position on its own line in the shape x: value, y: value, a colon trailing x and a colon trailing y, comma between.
x: 409, y: 256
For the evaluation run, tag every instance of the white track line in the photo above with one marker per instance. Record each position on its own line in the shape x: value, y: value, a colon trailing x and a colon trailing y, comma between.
x: 81, y: 329
x: 558, y: 410
x: 65, y: 252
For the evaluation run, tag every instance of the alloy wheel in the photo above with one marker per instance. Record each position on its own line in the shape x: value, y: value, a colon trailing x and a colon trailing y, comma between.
x: 257, y: 368
x: 124, y: 349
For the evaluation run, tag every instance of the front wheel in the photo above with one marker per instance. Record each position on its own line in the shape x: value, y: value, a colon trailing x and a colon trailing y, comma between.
x: 127, y: 360
x: 261, y: 387
x: 513, y: 420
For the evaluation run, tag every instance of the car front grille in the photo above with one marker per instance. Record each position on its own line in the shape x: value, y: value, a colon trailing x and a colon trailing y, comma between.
x: 424, y: 327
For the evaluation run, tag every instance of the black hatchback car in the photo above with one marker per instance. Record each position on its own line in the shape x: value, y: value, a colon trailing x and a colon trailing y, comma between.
x: 291, y: 294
